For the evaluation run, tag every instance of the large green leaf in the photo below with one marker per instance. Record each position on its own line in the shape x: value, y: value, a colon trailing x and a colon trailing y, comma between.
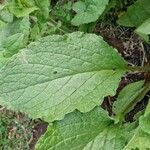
x: 88, y: 11
x: 89, y: 131
x: 126, y: 97
x: 93, y: 131
x: 57, y: 74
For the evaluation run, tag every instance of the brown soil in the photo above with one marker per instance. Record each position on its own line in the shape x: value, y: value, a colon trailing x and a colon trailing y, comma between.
x: 39, y: 129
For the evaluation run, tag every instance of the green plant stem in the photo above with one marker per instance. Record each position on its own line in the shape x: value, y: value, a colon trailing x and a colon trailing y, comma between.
x: 54, y: 24
x: 139, y: 68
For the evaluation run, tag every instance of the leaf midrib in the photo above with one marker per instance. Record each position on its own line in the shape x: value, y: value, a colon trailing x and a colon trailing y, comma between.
x: 48, y: 80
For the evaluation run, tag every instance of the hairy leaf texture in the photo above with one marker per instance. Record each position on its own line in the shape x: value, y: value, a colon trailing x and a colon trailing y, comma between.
x: 88, y: 11
x: 140, y: 139
x: 58, y: 74
x: 90, y: 131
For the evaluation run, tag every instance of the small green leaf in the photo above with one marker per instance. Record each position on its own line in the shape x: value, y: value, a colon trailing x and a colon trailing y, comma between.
x: 2, y: 24
x: 136, y: 14
x: 144, y: 30
x: 3, y: 60
x: 35, y: 32
x: 2, y: 6
x: 44, y: 7
x: 88, y: 11
x: 12, y: 30
x: 23, y: 12
x: 125, y: 97
x: 90, y: 131
x: 24, y: 28
x: 21, y: 25
x: 13, y: 44
x: 79, y: 7
x: 6, y: 16
x: 58, y: 74
x: 21, y: 8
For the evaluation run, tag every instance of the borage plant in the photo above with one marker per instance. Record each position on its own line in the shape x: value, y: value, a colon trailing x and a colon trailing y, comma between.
x: 63, y: 80
x: 57, y: 74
